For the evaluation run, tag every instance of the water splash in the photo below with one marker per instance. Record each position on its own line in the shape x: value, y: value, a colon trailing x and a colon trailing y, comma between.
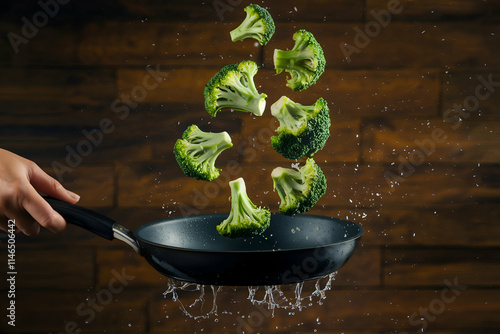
x: 289, y: 297
x: 198, y: 309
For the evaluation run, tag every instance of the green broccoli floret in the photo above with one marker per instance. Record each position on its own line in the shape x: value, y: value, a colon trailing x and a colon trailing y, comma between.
x: 197, y: 151
x: 258, y: 24
x: 245, y: 217
x: 299, y: 190
x: 305, y: 62
x: 233, y: 87
x: 303, y: 130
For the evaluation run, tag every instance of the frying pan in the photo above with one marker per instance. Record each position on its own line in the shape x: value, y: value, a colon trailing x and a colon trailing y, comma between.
x: 291, y: 250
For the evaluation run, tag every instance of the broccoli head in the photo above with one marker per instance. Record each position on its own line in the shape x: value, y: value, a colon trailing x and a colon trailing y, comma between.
x: 258, y: 24
x: 303, y: 130
x: 233, y: 87
x: 305, y: 62
x: 245, y: 217
x: 197, y: 151
x: 299, y: 190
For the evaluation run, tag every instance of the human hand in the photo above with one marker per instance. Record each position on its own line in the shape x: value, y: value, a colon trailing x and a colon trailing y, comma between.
x: 20, y: 181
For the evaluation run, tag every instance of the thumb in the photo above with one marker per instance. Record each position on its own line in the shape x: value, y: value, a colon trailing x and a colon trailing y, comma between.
x: 49, y: 186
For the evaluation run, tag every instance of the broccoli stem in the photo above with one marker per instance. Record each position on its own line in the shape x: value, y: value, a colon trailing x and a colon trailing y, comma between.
x: 296, y: 60
x: 247, y: 29
x: 244, y: 216
x: 291, y: 115
x: 208, y: 148
x: 289, y: 183
x: 253, y: 103
x: 241, y: 201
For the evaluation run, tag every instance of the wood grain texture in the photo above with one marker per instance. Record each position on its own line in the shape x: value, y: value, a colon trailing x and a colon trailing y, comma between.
x: 77, y: 269
x: 431, y: 141
x: 92, y: 10
x: 431, y: 267
x: 5, y: 46
x: 471, y: 225
x: 255, y: 142
x: 470, y: 95
x: 447, y: 331
x: 110, y: 261
x: 95, y: 185
x: 362, y: 269
x: 189, y: 11
x: 38, y: 311
x: 432, y: 45
x: 395, y: 306
x: 39, y: 50
x: 439, y: 10
x: 115, y: 43
x: 181, y: 86
x: 160, y: 125
x: 348, y: 307
x: 348, y: 186
x: 53, y: 130
x: 314, y: 11
x: 367, y: 187
x: 87, y: 87
x: 353, y: 94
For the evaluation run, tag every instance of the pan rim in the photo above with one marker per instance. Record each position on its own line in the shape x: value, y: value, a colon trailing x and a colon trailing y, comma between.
x: 352, y: 238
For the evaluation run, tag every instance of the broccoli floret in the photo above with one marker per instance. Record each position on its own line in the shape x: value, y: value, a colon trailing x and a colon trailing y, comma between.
x: 197, y: 151
x: 303, y: 130
x: 258, y: 24
x: 233, y: 87
x: 299, y: 190
x: 305, y: 62
x: 245, y: 217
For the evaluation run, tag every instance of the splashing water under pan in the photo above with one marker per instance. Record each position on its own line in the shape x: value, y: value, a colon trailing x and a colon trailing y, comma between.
x: 199, y: 301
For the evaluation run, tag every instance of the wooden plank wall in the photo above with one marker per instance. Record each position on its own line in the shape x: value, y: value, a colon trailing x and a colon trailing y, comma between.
x: 394, y: 105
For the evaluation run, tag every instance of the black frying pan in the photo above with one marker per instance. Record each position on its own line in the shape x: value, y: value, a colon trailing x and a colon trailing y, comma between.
x: 291, y: 250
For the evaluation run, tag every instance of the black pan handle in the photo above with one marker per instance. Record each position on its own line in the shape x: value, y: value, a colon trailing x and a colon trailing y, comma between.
x: 90, y: 220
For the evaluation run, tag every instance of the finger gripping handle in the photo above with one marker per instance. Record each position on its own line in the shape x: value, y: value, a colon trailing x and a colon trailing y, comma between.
x: 90, y: 220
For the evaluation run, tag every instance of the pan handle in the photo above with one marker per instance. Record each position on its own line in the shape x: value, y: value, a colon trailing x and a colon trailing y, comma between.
x: 94, y: 222
x: 90, y: 220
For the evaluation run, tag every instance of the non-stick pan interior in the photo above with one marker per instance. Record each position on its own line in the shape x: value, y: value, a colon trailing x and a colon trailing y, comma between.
x: 285, y: 233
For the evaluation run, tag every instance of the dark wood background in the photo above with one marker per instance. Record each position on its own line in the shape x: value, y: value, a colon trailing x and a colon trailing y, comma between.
x: 439, y: 223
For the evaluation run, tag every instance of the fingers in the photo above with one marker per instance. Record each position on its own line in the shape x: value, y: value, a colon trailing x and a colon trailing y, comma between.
x: 41, y: 212
x: 24, y: 222
x: 44, y: 183
x: 29, y: 210
x: 4, y: 224
x: 39, y: 209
